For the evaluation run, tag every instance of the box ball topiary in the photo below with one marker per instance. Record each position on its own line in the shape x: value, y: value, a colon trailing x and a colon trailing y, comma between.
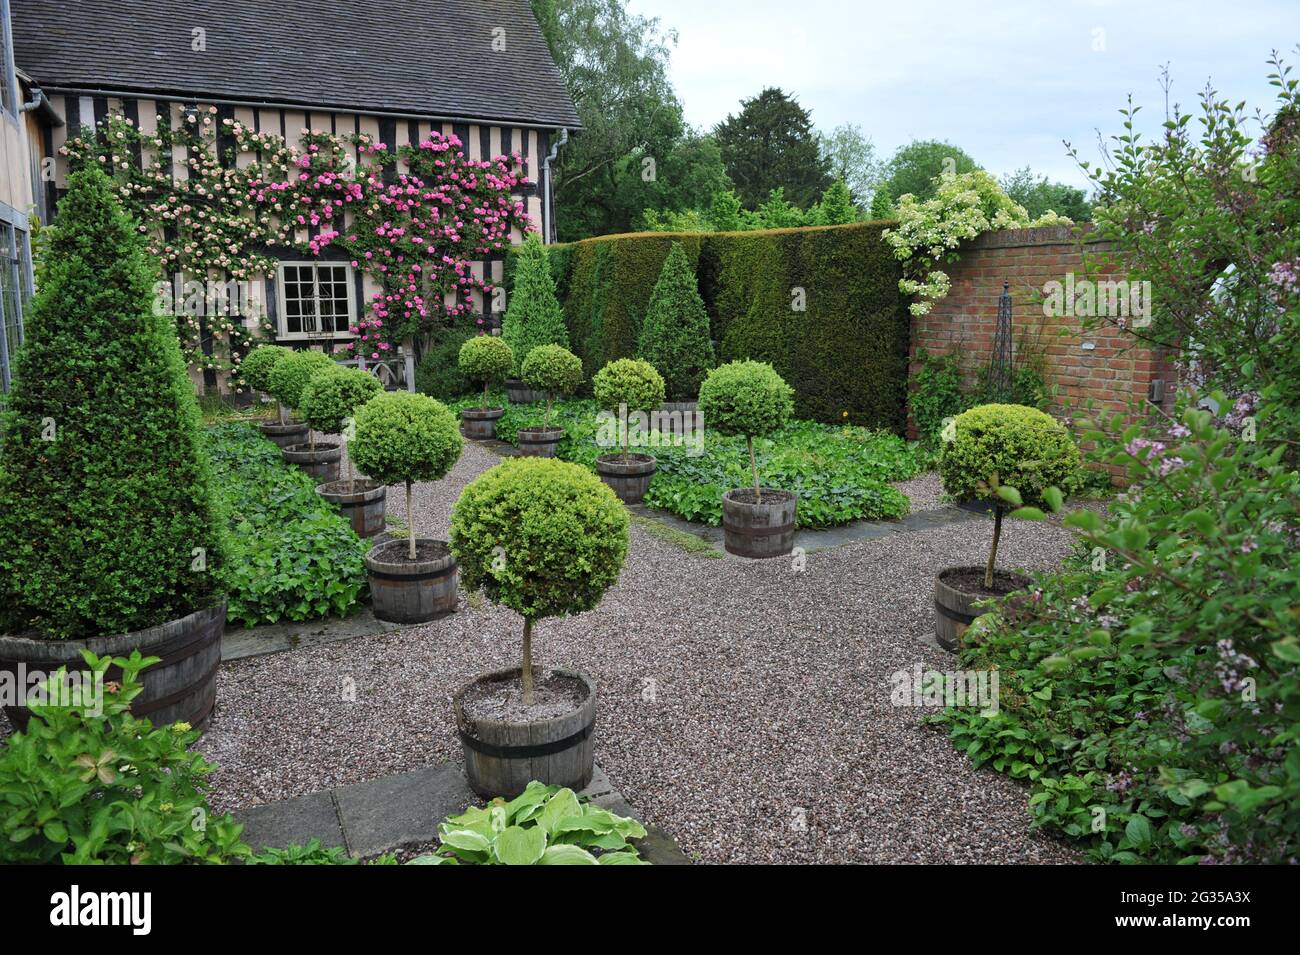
x: 486, y: 358
x: 334, y: 394
x: 543, y: 537
x: 552, y: 369
x: 400, y: 438
x: 289, y: 376
x: 257, y: 364
x: 630, y: 382
x: 106, y: 494
x: 1007, y: 445
x: 749, y: 398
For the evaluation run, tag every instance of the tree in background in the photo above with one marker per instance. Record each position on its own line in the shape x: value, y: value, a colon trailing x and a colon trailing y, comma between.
x: 615, y: 65
x: 1040, y: 195
x: 770, y: 144
x: 836, y: 207
x: 687, y: 178
x: 915, y: 167
x: 851, y: 158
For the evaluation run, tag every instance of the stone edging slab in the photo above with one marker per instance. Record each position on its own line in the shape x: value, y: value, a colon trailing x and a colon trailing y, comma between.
x: 380, y: 815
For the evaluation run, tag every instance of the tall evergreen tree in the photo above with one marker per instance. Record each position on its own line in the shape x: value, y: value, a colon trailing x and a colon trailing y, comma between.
x: 675, y: 333
x: 533, y: 316
x: 106, y: 515
x: 769, y: 145
x: 915, y: 167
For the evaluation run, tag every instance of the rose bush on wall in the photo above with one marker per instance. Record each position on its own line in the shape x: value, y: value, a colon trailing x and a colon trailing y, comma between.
x: 415, y: 234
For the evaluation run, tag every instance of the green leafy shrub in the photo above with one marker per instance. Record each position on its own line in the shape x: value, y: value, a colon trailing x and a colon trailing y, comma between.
x: 543, y: 825
x: 675, y: 334
x: 533, y: 316
x: 292, y: 555
x: 486, y: 359
x: 1010, y: 455
x: 84, y: 789
x: 552, y: 369
x: 747, y: 398
x: 438, y: 373
x: 257, y: 364
x: 841, y: 474
x: 936, y: 394
x: 333, y: 395
x: 105, y: 494
x: 289, y: 376
x: 630, y: 384
x: 402, y: 438
x: 542, y: 537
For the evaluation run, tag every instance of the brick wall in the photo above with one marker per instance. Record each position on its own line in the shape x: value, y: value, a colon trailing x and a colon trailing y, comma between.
x: 1107, y: 365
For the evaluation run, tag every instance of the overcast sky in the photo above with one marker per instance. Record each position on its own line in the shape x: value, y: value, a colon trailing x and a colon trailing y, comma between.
x: 1007, y: 81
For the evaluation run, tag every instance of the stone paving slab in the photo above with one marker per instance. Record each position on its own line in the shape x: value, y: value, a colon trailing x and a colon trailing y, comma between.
x: 381, y: 815
x: 274, y: 638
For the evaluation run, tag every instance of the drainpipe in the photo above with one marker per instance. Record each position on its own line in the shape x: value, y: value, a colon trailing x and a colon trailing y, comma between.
x: 548, y: 214
x: 39, y: 95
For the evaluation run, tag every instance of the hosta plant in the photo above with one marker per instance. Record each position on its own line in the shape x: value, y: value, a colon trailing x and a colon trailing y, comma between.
x: 543, y: 825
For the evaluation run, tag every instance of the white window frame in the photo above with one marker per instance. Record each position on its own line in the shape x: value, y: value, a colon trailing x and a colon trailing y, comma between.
x: 282, y: 316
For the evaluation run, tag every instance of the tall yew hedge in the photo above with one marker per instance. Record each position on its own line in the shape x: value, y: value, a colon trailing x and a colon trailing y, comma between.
x: 846, y: 351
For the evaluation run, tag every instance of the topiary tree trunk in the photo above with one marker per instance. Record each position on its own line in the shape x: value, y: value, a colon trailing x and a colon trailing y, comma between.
x: 993, y: 551
x: 106, y: 513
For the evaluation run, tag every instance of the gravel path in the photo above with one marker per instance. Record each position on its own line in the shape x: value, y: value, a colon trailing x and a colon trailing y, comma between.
x: 925, y: 491
x: 744, y: 707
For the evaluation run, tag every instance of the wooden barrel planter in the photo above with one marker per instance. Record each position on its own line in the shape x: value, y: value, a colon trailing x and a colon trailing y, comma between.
x: 284, y: 435
x: 320, y: 463
x: 539, y: 442
x: 754, y: 528
x: 957, y: 590
x: 677, y: 417
x: 181, y: 687
x: 480, y: 424
x: 503, y: 757
x: 628, y: 478
x: 362, y: 503
x: 520, y: 394
x: 412, y: 591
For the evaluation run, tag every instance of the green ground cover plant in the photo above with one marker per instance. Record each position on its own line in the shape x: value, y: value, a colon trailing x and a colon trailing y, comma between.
x: 291, y: 555
x: 841, y: 473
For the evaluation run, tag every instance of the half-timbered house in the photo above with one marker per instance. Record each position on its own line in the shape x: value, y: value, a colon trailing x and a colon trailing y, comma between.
x: 392, y: 69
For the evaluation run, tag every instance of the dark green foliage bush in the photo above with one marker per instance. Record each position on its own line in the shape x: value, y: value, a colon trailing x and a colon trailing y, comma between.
x: 257, y: 364
x: 292, y: 555
x: 108, y: 789
x: 439, y: 374
x: 334, y: 394
x: 533, y: 315
x: 289, y: 376
x: 675, y: 333
x: 105, y: 495
x: 936, y: 394
x: 847, y: 351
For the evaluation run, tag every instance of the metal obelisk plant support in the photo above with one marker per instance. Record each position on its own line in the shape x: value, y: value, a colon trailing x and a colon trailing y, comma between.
x: 1000, y: 362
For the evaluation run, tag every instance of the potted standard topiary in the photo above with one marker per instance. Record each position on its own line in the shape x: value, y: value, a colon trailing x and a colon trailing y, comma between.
x: 109, y: 541
x: 750, y: 398
x: 675, y: 334
x: 401, y: 438
x: 329, y: 401
x: 544, y: 538
x: 1008, y: 455
x: 256, y: 369
x: 288, y: 380
x: 533, y: 317
x: 484, y: 358
x: 551, y: 370
x: 627, y: 385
